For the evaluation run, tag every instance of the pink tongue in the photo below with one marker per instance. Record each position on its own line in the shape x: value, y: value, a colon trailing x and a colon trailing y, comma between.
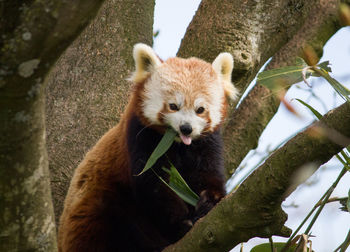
x: 185, y: 139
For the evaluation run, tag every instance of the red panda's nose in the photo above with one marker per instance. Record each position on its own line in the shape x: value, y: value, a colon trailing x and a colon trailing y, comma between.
x: 186, y: 129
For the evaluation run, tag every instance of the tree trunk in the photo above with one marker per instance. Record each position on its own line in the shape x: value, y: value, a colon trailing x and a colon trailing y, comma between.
x: 26, y: 213
x: 33, y: 35
x: 87, y: 90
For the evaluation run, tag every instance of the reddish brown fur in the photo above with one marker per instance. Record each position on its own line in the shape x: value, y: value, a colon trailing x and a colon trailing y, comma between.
x: 106, y: 163
x: 193, y: 74
x: 105, y: 171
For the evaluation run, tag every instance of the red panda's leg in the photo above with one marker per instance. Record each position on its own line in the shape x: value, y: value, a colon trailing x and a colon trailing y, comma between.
x: 210, y: 195
x: 104, y: 222
x: 168, y: 212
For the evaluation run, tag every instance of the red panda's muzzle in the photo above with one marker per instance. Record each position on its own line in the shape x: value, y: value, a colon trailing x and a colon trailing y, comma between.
x: 186, y: 130
x: 186, y: 139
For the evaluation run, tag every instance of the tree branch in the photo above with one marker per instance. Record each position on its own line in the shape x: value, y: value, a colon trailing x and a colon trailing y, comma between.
x: 246, y: 124
x: 255, y: 208
x: 252, y: 32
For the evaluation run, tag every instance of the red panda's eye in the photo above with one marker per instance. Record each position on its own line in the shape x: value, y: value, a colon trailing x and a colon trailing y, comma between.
x: 200, y: 110
x: 173, y: 106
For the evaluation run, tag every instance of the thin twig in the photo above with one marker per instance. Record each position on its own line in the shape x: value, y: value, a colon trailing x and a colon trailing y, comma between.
x: 321, y: 202
x: 332, y: 200
x: 329, y: 192
x: 303, y: 222
x: 345, y: 244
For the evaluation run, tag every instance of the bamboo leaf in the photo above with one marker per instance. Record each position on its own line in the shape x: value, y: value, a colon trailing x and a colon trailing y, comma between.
x: 266, y: 247
x: 284, y: 76
x: 325, y: 66
x: 164, y: 144
x: 344, y: 205
x: 338, y: 87
x: 342, y: 91
x: 319, y: 116
x: 180, y: 187
x: 176, y: 182
x: 314, y: 111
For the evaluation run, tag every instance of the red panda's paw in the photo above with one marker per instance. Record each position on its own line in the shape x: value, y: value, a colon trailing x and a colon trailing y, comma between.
x: 187, y: 224
x: 207, y: 200
x: 184, y: 227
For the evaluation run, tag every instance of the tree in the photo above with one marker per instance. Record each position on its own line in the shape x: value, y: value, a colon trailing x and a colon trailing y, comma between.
x: 87, y: 91
x: 33, y: 35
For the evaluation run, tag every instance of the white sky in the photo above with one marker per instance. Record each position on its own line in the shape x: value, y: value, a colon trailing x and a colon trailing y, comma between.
x: 172, y: 19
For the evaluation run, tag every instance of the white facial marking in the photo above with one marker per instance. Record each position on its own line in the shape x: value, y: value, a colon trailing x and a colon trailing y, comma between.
x: 199, y: 102
x: 156, y: 89
x: 179, y: 99
x: 168, y: 84
x: 186, y: 116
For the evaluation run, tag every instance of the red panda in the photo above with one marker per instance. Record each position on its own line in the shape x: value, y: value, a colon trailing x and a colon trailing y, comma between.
x: 107, y: 207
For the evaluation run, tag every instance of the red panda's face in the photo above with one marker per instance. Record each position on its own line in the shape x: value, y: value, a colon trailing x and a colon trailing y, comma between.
x: 188, y: 95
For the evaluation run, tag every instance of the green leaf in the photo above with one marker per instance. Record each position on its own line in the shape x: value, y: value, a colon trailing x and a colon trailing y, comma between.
x: 164, y: 144
x: 300, y: 62
x: 343, y: 204
x: 180, y: 187
x: 266, y: 247
x: 284, y: 76
x: 176, y: 182
x: 314, y: 111
x: 338, y: 87
x: 325, y: 66
x: 319, y: 116
x: 341, y: 90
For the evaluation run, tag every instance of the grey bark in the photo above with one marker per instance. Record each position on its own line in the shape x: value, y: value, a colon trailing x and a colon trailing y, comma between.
x: 246, y: 123
x: 85, y: 100
x: 33, y: 35
x: 252, y: 31
x: 87, y: 90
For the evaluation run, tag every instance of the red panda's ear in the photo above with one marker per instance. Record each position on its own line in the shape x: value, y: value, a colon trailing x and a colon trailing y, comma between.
x: 223, y: 66
x: 145, y: 62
